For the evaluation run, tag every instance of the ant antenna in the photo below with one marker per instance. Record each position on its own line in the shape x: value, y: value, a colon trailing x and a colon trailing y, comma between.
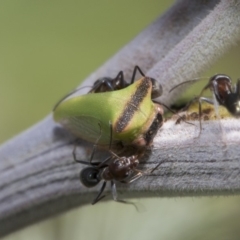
x: 99, y: 197
x: 68, y: 95
x: 136, y: 68
x: 188, y: 81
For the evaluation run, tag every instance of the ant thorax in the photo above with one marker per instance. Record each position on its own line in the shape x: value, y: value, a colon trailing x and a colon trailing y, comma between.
x: 120, y: 169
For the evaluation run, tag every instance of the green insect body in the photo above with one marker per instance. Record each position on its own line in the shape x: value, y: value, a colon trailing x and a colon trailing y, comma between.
x: 127, y: 116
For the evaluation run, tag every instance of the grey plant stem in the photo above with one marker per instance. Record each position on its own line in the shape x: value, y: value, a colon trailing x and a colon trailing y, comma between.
x: 38, y: 175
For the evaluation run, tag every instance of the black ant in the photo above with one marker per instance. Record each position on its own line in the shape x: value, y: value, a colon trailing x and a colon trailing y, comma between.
x: 114, y: 168
x: 223, y: 91
x: 107, y: 84
x: 226, y: 95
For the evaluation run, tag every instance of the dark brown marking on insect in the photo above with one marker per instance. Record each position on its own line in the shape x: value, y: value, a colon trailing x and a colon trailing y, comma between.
x: 152, y: 131
x: 133, y: 104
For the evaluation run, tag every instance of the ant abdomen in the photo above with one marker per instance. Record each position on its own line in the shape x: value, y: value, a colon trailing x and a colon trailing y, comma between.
x: 90, y: 177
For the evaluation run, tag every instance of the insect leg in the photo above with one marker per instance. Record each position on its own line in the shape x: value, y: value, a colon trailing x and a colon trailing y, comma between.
x: 135, y: 176
x: 170, y: 110
x: 200, y: 99
x: 122, y: 83
x: 115, y: 195
x: 74, y: 154
x: 238, y: 87
x: 140, y: 173
x: 114, y: 191
x: 93, y: 150
x: 111, y: 131
x: 99, y: 197
x: 136, y: 68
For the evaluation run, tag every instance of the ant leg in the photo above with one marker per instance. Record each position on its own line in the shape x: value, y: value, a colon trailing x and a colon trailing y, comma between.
x: 190, y: 103
x: 95, y: 144
x: 135, y: 72
x: 114, y: 191
x: 80, y: 161
x: 111, y: 132
x: 170, y: 110
x: 115, y: 195
x: 200, y: 116
x: 120, y: 76
x: 200, y: 99
x: 207, y: 100
x: 99, y: 197
x: 93, y: 149
x: 140, y: 173
x: 104, y: 163
x: 182, y: 118
x: 238, y: 88
x: 74, y: 155
x: 216, y: 105
x: 135, y: 177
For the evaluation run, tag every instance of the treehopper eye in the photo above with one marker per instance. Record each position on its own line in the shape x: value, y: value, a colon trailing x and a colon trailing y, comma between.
x: 134, y: 117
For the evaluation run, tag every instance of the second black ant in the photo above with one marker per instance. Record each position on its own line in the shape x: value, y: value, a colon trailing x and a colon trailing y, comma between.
x: 224, y: 94
x: 113, y: 169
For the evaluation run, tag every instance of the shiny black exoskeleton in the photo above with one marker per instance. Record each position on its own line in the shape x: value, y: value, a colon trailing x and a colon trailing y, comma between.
x: 226, y: 95
x: 114, y: 168
x: 224, y: 92
x: 107, y: 84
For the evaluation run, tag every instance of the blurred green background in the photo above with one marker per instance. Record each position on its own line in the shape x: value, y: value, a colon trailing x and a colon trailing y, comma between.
x: 47, y: 48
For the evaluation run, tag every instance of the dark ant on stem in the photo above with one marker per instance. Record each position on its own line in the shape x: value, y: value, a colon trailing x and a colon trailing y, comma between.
x: 224, y: 94
x: 114, y: 168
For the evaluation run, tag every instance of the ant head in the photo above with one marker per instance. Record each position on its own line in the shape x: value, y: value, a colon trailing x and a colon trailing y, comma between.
x: 233, y: 101
x: 221, y: 86
x: 90, y: 176
x: 156, y: 89
x: 102, y: 85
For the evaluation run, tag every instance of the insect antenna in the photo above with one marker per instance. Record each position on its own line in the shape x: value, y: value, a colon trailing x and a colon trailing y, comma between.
x: 186, y: 82
x: 136, y: 68
x: 68, y: 95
